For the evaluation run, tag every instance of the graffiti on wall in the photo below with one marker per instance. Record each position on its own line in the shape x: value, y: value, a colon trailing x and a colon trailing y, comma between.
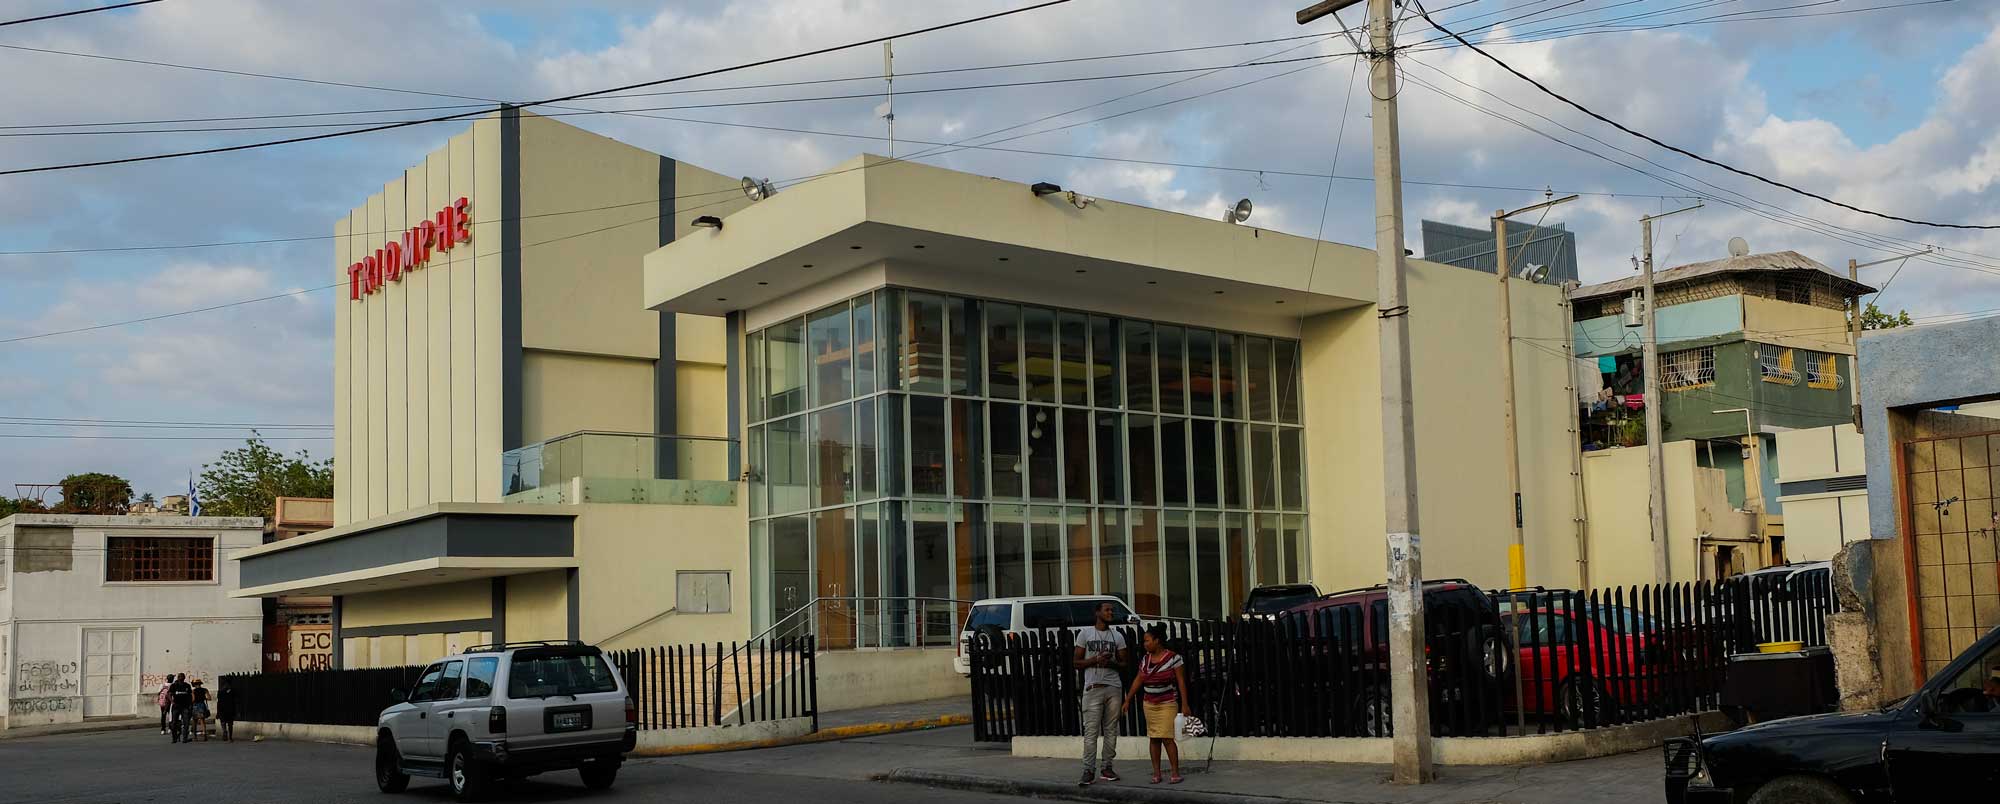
x: 30, y: 706
x: 41, y: 678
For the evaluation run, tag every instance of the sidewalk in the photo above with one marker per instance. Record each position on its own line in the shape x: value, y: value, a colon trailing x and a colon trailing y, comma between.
x: 947, y: 757
x: 865, y: 722
x: 86, y: 727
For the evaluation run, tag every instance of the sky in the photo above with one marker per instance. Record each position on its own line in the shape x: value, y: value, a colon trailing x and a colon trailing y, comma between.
x: 1872, y: 102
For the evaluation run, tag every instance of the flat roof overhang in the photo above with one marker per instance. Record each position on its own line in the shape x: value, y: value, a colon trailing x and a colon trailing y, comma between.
x: 442, y: 543
x: 970, y: 229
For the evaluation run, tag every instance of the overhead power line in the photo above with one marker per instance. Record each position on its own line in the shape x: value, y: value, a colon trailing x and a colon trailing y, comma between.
x: 560, y: 99
x: 83, y: 421
x: 1683, y: 151
x: 26, y: 20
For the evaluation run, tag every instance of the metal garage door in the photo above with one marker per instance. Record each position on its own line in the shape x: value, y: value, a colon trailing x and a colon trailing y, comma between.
x: 110, y: 672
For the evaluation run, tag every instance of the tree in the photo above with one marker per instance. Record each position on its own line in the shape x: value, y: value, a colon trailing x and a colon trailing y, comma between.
x: 1874, y: 318
x: 248, y: 481
x: 95, y: 493
x: 21, y: 505
x: 147, y: 499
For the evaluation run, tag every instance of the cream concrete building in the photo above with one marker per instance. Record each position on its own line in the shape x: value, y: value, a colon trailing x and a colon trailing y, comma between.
x: 596, y: 419
x: 500, y: 396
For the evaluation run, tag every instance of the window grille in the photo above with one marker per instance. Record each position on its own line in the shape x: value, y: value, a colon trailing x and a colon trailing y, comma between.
x: 1777, y: 364
x: 1688, y: 368
x: 156, y: 559
x: 1822, y: 370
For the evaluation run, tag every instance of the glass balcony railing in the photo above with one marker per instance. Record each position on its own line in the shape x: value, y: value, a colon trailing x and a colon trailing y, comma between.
x: 603, y: 467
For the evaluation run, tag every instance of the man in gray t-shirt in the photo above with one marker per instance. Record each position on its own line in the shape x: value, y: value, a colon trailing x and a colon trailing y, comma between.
x: 1100, y: 651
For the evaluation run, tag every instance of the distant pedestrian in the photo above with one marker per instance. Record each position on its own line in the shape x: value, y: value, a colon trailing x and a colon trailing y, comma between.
x: 1100, y: 651
x: 1162, y: 681
x: 182, y: 700
x: 200, y: 711
x: 165, y: 698
x: 225, y: 710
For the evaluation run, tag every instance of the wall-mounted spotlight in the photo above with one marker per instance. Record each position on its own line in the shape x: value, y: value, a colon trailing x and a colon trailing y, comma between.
x: 1079, y: 200
x: 1042, y: 188
x: 1238, y: 213
x: 709, y: 222
x: 758, y: 189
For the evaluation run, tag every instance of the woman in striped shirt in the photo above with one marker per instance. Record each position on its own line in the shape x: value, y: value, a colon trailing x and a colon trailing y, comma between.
x: 1162, y: 680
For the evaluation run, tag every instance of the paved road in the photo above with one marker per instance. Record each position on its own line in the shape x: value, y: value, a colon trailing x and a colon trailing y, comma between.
x: 141, y: 766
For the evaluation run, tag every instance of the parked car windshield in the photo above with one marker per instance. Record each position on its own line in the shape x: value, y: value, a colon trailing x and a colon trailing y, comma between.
x: 1623, y: 620
x: 535, y: 674
x: 1272, y: 601
x: 994, y: 614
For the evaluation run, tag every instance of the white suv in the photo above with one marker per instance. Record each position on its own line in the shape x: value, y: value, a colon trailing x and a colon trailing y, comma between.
x: 1019, y: 615
x: 501, y: 711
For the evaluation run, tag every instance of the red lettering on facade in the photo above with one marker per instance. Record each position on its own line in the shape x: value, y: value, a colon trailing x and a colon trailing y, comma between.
x: 411, y: 250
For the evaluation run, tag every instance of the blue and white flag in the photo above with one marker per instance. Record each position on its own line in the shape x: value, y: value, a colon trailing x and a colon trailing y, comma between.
x: 194, y: 503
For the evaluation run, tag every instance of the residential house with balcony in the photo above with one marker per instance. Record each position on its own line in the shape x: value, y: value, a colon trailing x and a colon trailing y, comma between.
x: 1750, y: 346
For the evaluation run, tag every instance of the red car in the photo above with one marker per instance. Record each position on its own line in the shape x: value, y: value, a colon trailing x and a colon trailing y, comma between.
x: 1587, y: 667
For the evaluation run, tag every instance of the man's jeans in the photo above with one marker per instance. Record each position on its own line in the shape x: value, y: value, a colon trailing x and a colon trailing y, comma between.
x: 1100, y: 719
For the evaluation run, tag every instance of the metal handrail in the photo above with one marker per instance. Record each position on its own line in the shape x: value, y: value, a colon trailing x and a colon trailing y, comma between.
x: 632, y: 435
x: 642, y: 623
x: 813, y: 605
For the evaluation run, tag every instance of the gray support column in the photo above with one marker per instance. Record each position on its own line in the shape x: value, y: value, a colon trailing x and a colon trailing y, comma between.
x: 339, y: 651
x: 575, y: 606
x: 510, y: 278
x: 733, y: 336
x: 500, y: 609
x: 666, y: 377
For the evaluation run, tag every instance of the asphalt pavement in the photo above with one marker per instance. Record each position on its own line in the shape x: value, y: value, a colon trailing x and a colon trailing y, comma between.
x: 142, y: 766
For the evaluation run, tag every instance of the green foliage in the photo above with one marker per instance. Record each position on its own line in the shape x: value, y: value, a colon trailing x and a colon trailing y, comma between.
x: 21, y: 505
x: 1873, y: 318
x: 94, y: 493
x: 249, y: 480
x: 147, y: 499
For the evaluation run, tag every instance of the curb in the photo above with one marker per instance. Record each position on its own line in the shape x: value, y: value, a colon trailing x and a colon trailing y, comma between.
x: 821, y: 736
x: 30, y: 732
x: 1115, y: 794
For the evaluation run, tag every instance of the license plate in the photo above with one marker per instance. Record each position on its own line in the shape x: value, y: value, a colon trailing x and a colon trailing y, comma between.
x: 570, y: 721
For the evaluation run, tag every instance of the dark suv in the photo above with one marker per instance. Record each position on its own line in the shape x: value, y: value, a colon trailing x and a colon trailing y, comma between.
x: 1466, y: 650
x: 1271, y: 599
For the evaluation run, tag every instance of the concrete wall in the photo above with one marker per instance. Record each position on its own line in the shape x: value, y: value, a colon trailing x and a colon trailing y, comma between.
x: 1621, y: 547
x: 1817, y: 522
x: 63, y: 609
x: 628, y: 558
x: 863, y: 678
x: 428, y: 623
x: 1465, y: 511
x: 1916, y: 367
x: 422, y: 377
x: 1704, y: 320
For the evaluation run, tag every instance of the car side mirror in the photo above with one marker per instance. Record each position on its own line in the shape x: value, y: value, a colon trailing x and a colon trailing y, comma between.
x: 1930, y: 716
x: 1134, y: 620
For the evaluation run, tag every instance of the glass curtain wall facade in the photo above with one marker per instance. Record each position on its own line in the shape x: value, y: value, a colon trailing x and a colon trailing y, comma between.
x: 908, y: 444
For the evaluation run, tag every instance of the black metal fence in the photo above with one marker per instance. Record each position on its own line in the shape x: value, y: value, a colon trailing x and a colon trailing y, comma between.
x: 1506, y: 663
x: 323, y: 697
x: 683, y: 686
x: 676, y: 686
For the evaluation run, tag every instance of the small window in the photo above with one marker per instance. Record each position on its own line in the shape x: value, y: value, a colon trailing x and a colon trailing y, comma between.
x: 1776, y: 364
x: 479, y: 675
x: 1688, y: 368
x: 155, y: 559
x: 427, y: 684
x: 701, y: 592
x: 1794, y: 289
x: 447, y: 688
x: 1822, y: 370
x: 1047, y: 615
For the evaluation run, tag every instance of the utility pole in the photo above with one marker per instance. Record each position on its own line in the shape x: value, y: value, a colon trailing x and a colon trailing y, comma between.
x: 1409, y: 681
x: 1517, y: 552
x: 1656, y: 469
x: 1854, y: 323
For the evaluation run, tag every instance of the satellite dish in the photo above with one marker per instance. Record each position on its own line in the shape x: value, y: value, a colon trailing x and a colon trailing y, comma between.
x: 758, y: 189
x: 1738, y: 247
x: 1238, y: 213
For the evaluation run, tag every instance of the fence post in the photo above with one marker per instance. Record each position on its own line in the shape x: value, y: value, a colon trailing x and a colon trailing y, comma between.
x: 812, y: 674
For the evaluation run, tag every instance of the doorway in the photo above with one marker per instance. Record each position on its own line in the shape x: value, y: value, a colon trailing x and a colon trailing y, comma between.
x: 110, y: 672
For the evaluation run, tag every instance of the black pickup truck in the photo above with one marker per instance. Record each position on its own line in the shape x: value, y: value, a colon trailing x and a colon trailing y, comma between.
x: 1941, y: 744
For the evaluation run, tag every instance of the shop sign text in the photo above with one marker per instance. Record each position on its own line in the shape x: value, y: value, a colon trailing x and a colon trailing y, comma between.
x: 409, y: 253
